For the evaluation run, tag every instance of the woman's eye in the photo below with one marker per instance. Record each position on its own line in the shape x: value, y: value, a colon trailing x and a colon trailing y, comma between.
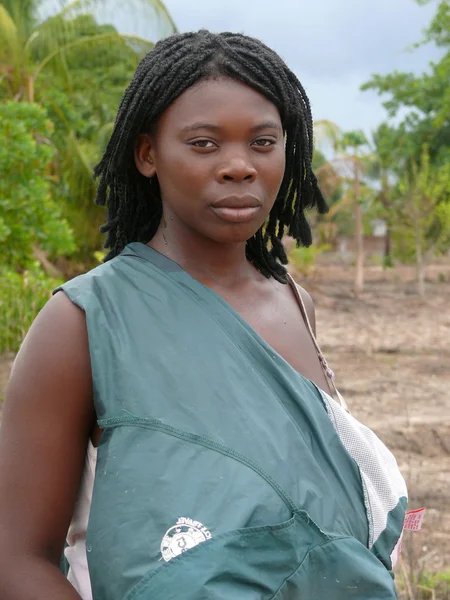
x: 264, y: 143
x: 203, y: 144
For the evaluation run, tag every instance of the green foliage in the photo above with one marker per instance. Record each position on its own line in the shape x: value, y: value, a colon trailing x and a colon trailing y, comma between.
x: 439, y: 29
x: 354, y: 140
x: 403, y: 245
x: 22, y: 296
x: 412, y: 159
x: 304, y: 259
x: 426, y: 585
x: 29, y: 216
x: 420, y: 210
x: 426, y: 97
x: 442, y: 213
x: 84, y: 115
x: 77, y: 68
x: 337, y: 176
x: 439, y: 582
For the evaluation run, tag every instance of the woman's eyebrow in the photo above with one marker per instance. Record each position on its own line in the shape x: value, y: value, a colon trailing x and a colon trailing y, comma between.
x: 264, y: 125
x: 195, y: 126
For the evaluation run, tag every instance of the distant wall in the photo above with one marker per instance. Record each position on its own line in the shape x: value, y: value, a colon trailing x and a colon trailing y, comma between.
x: 373, y: 246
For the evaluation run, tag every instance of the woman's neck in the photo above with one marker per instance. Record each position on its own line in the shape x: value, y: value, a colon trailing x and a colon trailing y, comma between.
x: 212, y: 263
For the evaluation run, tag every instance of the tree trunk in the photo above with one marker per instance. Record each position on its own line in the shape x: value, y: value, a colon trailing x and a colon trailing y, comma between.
x: 420, y: 267
x: 359, y: 237
x: 30, y: 89
x: 388, y: 247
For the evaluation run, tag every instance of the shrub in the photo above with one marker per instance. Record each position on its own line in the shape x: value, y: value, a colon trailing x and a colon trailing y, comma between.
x: 29, y: 216
x: 304, y: 259
x: 21, y: 298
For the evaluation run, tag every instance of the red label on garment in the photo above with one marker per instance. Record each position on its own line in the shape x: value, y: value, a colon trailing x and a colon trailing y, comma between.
x: 414, y: 519
x: 413, y: 522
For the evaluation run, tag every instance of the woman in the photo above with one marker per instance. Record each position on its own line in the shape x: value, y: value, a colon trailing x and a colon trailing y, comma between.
x: 225, y: 468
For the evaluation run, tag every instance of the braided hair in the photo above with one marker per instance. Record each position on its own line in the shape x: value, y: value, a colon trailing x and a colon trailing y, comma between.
x: 175, y: 64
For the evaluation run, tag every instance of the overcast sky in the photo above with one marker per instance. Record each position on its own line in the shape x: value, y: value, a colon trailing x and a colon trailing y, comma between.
x: 332, y: 45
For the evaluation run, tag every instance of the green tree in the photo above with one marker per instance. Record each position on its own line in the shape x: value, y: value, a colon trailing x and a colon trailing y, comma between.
x: 383, y: 167
x: 346, y: 170
x: 353, y: 146
x: 30, y: 44
x: 400, y: 151
x: 30, y: 220
x: 425, y: 97
x: 421, y: 210
x: 77, y: 68
x: 330, y: 180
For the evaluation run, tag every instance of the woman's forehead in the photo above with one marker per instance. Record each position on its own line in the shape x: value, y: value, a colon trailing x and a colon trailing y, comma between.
x: 214, y: 101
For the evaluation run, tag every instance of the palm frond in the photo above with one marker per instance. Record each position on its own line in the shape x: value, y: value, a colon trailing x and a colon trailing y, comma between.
x: 78, y: 171
x: 98, y: 25
x: 326, y: 133
x: 353, y: 139
x: 74, y: 163
x: 149, y: 19
x: 94, y: 42
x: 23, y: 13
x: 8, y: 37
x: 75, y: 44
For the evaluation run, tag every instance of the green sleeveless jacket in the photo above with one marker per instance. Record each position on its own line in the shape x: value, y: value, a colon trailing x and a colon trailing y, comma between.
x: 222, y: 472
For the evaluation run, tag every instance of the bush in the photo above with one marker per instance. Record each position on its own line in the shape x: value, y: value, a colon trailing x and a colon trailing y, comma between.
x: 423, y: 585
x: 29, y: 216
x: 439, y: 583
x: 21, y: 298
x: 304, y: 259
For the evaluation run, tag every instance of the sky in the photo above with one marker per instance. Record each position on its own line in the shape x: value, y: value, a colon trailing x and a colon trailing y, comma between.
x: 333, y: 46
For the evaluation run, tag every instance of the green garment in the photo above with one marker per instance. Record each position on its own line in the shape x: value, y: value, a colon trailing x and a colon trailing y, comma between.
x: 222, y: 472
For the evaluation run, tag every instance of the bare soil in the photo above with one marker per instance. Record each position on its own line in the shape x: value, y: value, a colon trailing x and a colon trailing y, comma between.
x: 390, y: 350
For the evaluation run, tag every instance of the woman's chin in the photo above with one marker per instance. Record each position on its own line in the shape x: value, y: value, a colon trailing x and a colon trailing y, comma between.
x: 237, y: 233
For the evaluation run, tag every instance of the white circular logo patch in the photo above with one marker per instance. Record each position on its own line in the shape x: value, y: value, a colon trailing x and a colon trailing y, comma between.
x: 181, y: 537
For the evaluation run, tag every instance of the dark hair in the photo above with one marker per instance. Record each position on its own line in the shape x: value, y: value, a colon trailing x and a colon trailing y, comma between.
x: 175, y: 64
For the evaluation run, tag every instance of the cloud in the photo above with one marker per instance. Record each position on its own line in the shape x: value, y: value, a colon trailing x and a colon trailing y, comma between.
x: 333, y: 46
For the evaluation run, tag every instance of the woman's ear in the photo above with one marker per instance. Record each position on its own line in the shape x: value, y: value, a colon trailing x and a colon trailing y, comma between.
x: 144, y: 155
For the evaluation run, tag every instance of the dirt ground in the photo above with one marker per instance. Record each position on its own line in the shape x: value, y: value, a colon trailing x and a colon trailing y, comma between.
x: 391, y: 354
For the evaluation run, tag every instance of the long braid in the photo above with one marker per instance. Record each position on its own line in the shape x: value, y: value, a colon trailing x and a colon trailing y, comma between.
x: 175, y: 64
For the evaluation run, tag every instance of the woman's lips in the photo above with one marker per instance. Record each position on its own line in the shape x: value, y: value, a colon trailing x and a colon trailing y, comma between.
x: 237, y: 209
x: 241, y: 214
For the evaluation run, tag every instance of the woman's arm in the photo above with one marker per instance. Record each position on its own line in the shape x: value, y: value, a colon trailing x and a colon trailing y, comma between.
x: 46, y: 420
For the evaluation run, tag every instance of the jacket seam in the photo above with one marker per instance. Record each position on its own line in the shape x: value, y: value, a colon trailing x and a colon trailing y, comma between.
x: 155, y: 425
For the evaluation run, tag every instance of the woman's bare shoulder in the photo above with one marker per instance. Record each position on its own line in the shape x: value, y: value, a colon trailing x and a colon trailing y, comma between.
x: 309, y: 305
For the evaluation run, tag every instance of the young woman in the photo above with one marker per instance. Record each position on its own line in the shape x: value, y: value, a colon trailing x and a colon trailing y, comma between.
x: 227, y: 466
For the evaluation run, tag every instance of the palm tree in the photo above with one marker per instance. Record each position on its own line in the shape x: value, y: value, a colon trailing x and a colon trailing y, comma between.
x: 55, y: 55
x: 346, y: 169
x: 380, y: 168
x: 25, y: 35
x: 351, y: 145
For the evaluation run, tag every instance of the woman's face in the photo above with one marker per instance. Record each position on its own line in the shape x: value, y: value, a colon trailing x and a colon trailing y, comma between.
x: 218, y: 152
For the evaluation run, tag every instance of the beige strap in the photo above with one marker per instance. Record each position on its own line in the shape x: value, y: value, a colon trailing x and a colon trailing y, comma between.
x: 329, y: 376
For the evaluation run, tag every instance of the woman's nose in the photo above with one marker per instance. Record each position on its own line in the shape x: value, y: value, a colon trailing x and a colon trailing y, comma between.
x: 236, y: 169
